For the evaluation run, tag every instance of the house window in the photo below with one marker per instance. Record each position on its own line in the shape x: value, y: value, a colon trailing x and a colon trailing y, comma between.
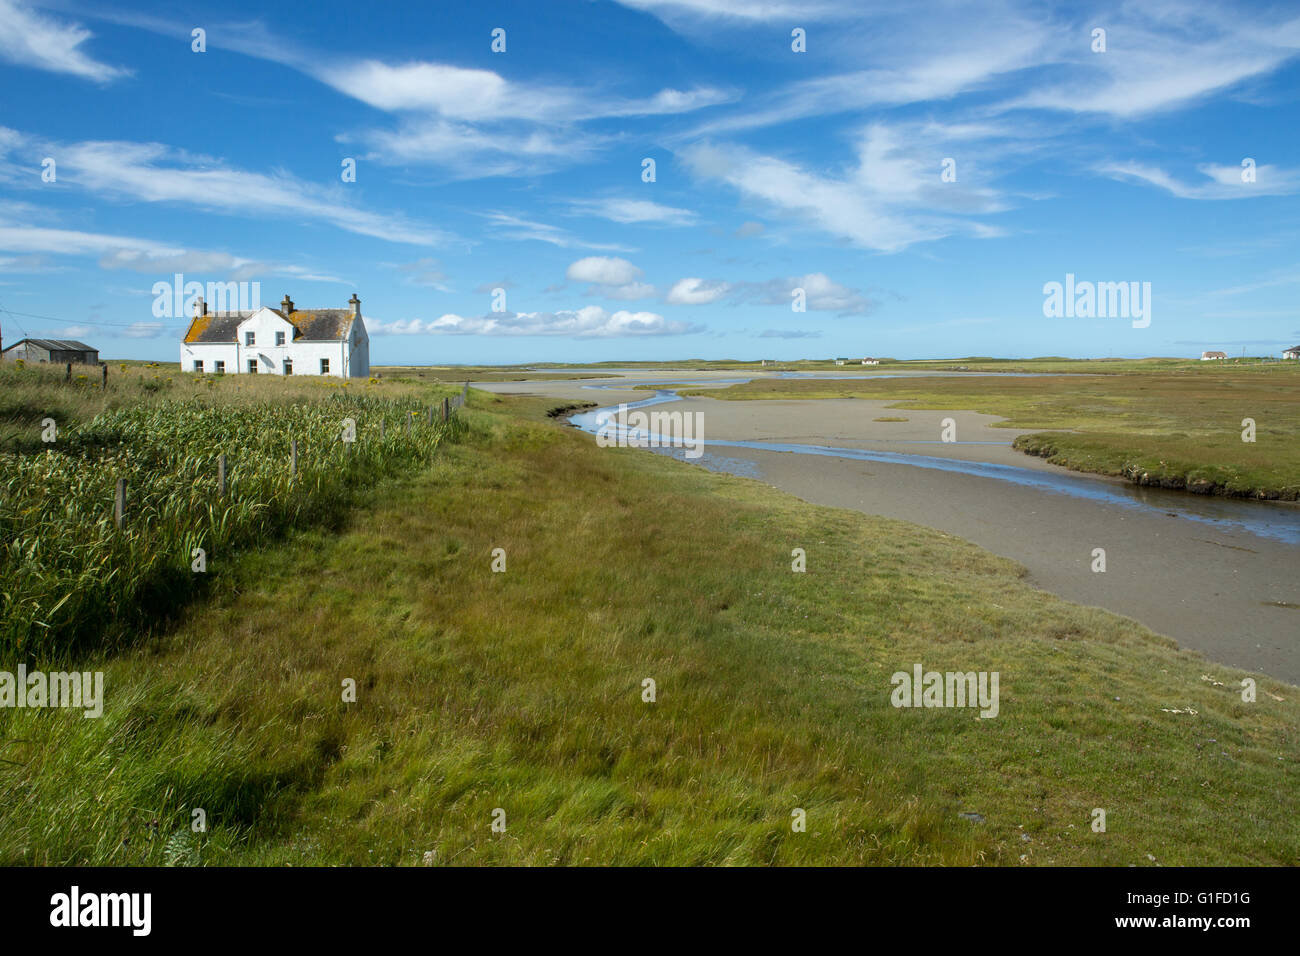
x: 219, y: 367
x: 279, y: 338
x: 252, y: 366
x: 198, y: 365
x: 248, y: 338
x: 324, y: 366
x: 288, y: 366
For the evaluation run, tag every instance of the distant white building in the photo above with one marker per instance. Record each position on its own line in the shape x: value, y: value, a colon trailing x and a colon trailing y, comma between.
x: 1292, y: 353
x: 283, y: 341
x: 871, y: 361
x: 1212, y: 356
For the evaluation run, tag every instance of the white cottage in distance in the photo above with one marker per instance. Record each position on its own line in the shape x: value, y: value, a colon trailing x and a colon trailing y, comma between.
x: 283, y: 341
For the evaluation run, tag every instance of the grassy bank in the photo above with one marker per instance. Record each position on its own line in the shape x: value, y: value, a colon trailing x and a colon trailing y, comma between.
x: 522, y: 690
x: 1177, y: 427
x: 71, y: 576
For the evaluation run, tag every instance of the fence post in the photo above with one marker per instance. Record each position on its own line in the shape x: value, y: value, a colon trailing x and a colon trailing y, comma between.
x: 67, y: 377
x: 446, y: 408
x: 104, y: 366
x: 293, y: 458
x: 430, y: 414
x: 119, y: 503
x: 409, y: 414
x: 464, y: 394
x: 221, y: 475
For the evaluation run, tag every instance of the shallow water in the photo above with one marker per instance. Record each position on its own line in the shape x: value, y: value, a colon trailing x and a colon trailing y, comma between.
x: 1276, y: 521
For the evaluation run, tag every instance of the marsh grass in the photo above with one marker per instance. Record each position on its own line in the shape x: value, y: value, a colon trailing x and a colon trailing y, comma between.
x: 70, y: 579
x: 1175, y: 427
x: 522, y: 690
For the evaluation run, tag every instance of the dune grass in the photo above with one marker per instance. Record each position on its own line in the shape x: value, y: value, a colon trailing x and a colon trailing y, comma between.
x: 523, y: 691
x: 1175, y: 427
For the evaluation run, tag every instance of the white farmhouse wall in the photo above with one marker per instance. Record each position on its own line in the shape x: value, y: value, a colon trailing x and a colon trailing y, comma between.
x: 348, y: 357
x: 209, y: 353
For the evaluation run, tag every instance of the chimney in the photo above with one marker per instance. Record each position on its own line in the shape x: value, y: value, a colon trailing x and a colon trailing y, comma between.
x: 287, y: 305
x: 200, y: 307
x: 355, y: 303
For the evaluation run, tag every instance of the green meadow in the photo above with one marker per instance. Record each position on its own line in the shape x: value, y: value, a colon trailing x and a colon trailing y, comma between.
x: 520, y: 695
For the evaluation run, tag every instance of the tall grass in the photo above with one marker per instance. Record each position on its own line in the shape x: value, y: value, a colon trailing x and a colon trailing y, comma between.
x: 71, y: 579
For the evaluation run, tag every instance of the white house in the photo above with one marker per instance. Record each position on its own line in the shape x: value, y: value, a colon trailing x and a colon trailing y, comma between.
x: 871, y: 361
x: 1212, y: 356
x: 283, y: 341
x: 1292, y: 353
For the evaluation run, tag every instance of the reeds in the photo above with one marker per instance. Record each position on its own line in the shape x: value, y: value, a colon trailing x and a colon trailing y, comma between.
x: 71, y: 579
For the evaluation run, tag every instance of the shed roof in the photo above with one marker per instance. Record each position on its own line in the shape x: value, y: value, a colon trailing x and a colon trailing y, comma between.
x: 55, y: 345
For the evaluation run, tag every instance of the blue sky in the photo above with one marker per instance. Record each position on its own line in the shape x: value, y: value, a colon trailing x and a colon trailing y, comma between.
x: 775, y: 170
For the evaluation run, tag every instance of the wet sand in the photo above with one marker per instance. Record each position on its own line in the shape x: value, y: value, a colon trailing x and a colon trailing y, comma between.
x: 1219, y: 591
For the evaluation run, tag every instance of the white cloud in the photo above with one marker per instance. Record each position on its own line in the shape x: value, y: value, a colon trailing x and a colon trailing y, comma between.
x: 821, y: 294
x: 603, y: 270
x: 146, y: 256
x: 734, y: 9
x: 33, y: 39
x: 477, y: 123
x: 426, y: 272
x: 634, y: 211
x: 73, y: 242
x: 1224, y: 181
x: 589, y: 322
x: 891, y: 199
x: 515, y: 227
x: 462, y: 93
x: 1162, y: 56
x: 143, y: 330
x: 152, y: 172
x: 694, y: 291
x: 72, y: 332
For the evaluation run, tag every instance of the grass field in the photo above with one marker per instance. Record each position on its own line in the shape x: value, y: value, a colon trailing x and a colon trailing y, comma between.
x: 1174, y: 425
x: 522, y: 690
x: 71, y: 577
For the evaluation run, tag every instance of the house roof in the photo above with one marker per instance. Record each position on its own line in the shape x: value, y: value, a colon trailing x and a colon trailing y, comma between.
x: 310, y: 325
x: 1294, y: 348
x: 56, y: 345
x: 321, y: 325
x: 215, y: 326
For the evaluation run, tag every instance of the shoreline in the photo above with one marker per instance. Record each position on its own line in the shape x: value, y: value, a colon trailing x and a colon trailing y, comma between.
x: 1226, y: 593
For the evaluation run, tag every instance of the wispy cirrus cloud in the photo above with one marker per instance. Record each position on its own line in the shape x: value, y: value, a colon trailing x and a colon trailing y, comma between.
x: 892, y: 198
x: 510, y: 226
x: 44, y: 42
x: 629, y: 211
x: 1220, y: 182
x: 156, y: 173
x: 143, y: 256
